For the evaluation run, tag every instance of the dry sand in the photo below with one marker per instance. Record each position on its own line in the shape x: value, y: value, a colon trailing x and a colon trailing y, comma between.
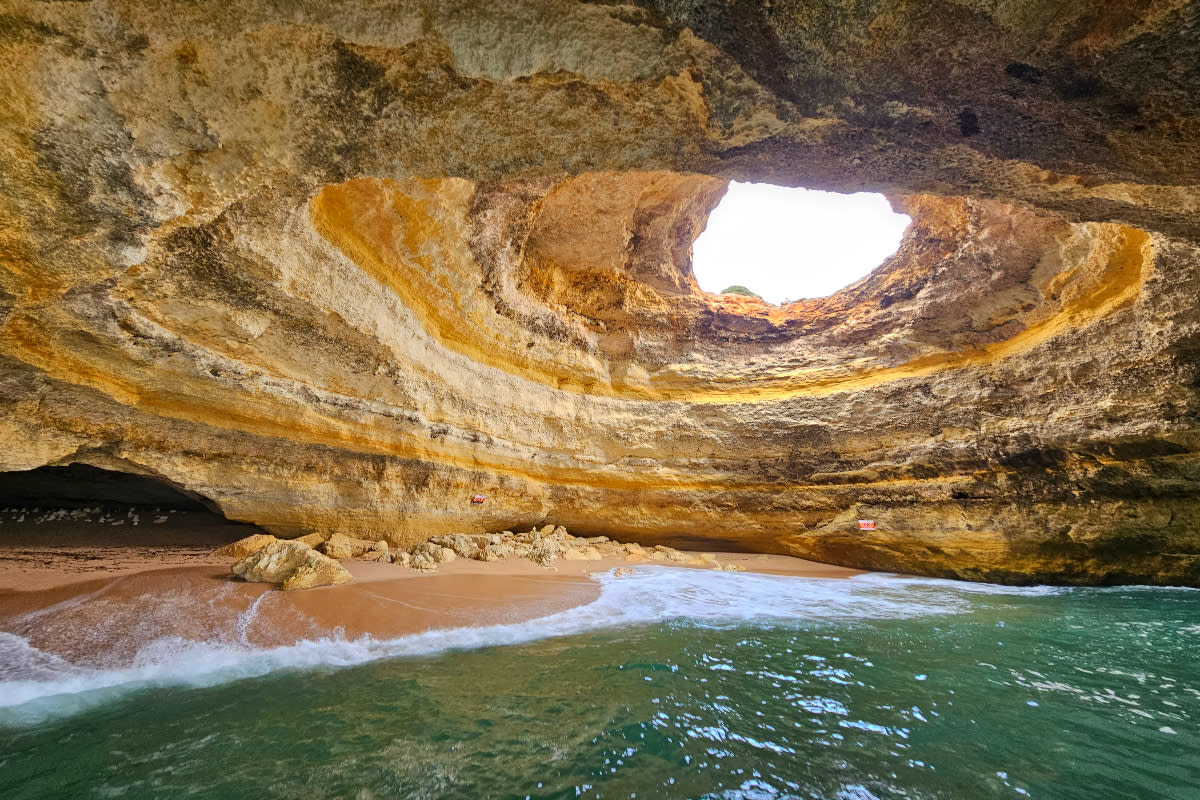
x: 45, y: 555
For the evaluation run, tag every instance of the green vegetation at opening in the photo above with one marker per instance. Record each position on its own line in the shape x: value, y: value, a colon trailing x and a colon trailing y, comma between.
x: 742, y: 290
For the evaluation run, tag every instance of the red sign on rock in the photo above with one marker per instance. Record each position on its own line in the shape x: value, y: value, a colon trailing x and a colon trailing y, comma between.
x: 866, y: 524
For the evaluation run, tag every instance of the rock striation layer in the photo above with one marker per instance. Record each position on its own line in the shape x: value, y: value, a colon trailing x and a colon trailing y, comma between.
x: 339, y: 267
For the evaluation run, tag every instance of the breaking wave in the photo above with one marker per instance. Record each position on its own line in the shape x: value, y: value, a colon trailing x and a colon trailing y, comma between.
x: 35, y: 685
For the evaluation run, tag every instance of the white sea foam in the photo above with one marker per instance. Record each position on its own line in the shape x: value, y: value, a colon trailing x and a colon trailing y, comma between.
x: 35, y: 685
x: 897, y: 581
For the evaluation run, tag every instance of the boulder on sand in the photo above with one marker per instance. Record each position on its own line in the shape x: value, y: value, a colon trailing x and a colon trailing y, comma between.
x: 293, y: 565
x: 244, y: 547
x: 544, y: 551
x: 339, y: 545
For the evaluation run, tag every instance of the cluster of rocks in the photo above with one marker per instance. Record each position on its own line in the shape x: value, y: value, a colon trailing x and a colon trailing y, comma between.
x: 95, y: 515
x: 542, y: 546
x: 552, y: 542
x: 300, y: 563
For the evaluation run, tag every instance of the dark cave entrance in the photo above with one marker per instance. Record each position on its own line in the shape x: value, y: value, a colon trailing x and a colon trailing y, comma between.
x: 84, y: 505
x: 81, y: 486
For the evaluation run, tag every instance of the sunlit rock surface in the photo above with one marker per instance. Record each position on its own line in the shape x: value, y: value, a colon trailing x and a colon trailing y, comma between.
x: 339, y: 267
x: 293, y: 565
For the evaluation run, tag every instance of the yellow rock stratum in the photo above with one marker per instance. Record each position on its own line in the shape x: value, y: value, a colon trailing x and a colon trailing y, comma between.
x: 340, y: 268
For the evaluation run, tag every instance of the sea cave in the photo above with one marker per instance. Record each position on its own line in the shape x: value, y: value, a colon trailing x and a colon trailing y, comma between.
x: 398, y: 273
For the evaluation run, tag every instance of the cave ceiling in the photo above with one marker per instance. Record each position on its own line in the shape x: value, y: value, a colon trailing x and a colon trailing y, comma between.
x: 341, y: 266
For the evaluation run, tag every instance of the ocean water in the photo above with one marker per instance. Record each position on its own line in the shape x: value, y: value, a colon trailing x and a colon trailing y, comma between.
x: 674, y: 683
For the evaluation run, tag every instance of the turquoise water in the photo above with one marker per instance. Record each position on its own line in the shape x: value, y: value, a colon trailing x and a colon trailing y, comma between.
x: 714, y: 685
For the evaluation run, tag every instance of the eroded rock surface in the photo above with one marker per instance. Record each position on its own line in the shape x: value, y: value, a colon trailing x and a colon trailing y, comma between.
x: 341, y: 546
x: 544, y: 547
x: 343, y: 267
x: 292, y: 565
x: 244, y: 547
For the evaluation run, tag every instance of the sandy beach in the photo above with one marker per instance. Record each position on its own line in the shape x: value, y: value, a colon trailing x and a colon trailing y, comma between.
x: 93, y: 594
x: 38, y: 551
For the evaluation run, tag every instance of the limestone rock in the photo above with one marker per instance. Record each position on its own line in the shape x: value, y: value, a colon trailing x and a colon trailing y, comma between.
x: 544, y: 552
x: 313, y: 540
x: 433, y: 553
x: 582, y: 554
x: 423, y: 562
x: 316, y: 570
x: 462, y: 544
x: 378, y: 552
x: 271, y: 259
x: 244, y: 547
x: 664, y: 553
x: 341, y: 546
x: 491, y: 552
x: 293, y: 565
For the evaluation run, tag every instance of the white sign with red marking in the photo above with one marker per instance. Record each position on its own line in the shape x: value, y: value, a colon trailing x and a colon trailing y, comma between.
x: 866, y: 524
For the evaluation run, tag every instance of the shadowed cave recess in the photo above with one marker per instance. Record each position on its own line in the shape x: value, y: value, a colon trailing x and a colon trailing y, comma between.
x: 80, y: 486
x: 344, y: 273
x: 44, y: 510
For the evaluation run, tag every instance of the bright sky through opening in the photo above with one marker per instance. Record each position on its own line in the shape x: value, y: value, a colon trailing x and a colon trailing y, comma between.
x: 789, y: 244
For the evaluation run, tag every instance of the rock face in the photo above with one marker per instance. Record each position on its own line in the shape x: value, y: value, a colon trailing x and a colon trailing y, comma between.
x: 341, y: 546
x: 293, y: 565
x: 343, y: 268
x: 544, y: 547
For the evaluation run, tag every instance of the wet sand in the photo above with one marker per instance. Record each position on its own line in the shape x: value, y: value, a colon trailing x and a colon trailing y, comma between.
x: 99, y: 603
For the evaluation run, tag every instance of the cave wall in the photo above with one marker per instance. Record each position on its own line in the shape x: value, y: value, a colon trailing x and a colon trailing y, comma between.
x: 342, y: 266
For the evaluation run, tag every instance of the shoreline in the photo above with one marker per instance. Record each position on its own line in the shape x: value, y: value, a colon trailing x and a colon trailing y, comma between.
x: 97, y: 604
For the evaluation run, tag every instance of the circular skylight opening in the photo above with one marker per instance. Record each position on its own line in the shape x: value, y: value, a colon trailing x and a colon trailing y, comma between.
x: 789, y: 244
